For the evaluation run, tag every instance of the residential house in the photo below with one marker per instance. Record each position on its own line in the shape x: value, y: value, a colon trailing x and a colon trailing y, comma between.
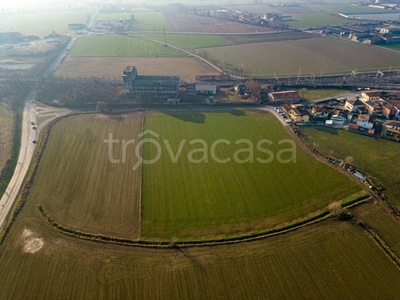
x: 392, y: 127
x: 240, y: 88
x: 299, y: 114
x: 370, y: 96
x: 353, y: 105
x: 365, y: 121
x: 389, y: 111
x: 319, y: 112
x: 284, y: 97
x: 373, y: 107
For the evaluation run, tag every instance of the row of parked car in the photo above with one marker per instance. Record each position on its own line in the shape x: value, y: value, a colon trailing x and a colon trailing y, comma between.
x: 282, y: 115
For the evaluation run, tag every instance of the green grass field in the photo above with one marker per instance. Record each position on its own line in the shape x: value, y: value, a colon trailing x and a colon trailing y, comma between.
x: 187, y: 40
x: 150, y: 21
x: 78, y: 185
x: 198, y: 200
x: 115, y: 45
x: 6, y: 133
x: 313, y: 55
x: 379, y: 158
x: 45, y: 22
x: 315, y: 94
x: 394, y: 46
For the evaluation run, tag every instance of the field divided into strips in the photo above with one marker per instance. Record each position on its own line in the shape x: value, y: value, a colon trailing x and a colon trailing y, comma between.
x: 379, y: 158
x: 187, y: 40
x: 325, y: 260
x: 78, y: 185
x: 6, y: 133
x: 115, y: 45
x: 313, y: 55
x: 43, y: 23
x: 201, y: 200
x: 111, y: 67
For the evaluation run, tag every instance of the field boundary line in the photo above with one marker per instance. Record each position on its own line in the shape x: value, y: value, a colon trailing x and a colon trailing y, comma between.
x: 141, y: 181
x: 380, y: 242
x: 321, y: 216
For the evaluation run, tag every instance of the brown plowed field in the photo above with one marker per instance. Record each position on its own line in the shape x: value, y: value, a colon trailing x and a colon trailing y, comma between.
x: 193, y: 23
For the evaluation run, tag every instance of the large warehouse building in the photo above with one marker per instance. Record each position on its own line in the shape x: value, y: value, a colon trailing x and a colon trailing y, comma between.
x: 156, y: 86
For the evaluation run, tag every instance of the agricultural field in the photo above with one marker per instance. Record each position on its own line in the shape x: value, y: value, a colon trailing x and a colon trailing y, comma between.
x: 385, y: 224
x: 394, y: 46
x: 151, y: 21
x: 111, y: 67
x: 378, y: 158
x: 325, y: 260
x: 114, y: 45
x: 6, y: 133
x: 79, y: 186
x: 112, y: 16
x: 315, y: 55
x: 192, y: 23
x: 187, y: 41
x: 195, y: 200
x: 317, y: 94
x: 268, y: 37
x: 44, y: 23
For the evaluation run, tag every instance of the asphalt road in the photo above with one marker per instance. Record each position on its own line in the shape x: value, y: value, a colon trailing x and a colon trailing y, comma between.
x: 24, y: 159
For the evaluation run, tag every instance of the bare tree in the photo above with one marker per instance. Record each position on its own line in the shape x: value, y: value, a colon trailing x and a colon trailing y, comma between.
x: 254, y: 88
x: 303, y: 92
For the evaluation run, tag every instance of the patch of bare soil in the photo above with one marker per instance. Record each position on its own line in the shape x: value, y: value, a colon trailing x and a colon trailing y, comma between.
x: 31, y: 242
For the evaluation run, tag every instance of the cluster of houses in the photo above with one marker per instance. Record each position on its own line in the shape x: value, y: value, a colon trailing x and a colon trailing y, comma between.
x: 234, y: 15
x: 367, y: 33
x: 367, y: 113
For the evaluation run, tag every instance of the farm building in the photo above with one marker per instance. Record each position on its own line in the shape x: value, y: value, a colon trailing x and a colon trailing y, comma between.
x: 206, y: 89
x: 157, y: 86
x: 284, y: 97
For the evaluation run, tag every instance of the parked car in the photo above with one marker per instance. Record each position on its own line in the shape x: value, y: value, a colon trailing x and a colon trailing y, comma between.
x: 288, y: 121
x: 34, y: 141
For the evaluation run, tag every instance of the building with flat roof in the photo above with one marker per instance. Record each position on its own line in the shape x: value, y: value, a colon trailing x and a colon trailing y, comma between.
x: 155, y: 86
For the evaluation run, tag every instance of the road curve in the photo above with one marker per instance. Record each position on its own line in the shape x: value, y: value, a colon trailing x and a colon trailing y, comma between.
x: 27, y: 149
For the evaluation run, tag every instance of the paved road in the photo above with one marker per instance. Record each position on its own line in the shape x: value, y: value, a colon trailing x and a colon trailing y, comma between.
x: 24, y: 159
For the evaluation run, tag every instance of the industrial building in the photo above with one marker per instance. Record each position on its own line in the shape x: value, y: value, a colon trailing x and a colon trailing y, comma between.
x: 155, y: 86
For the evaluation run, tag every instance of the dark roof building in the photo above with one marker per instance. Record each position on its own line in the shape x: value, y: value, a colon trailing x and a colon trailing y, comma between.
x: 156, y: 86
